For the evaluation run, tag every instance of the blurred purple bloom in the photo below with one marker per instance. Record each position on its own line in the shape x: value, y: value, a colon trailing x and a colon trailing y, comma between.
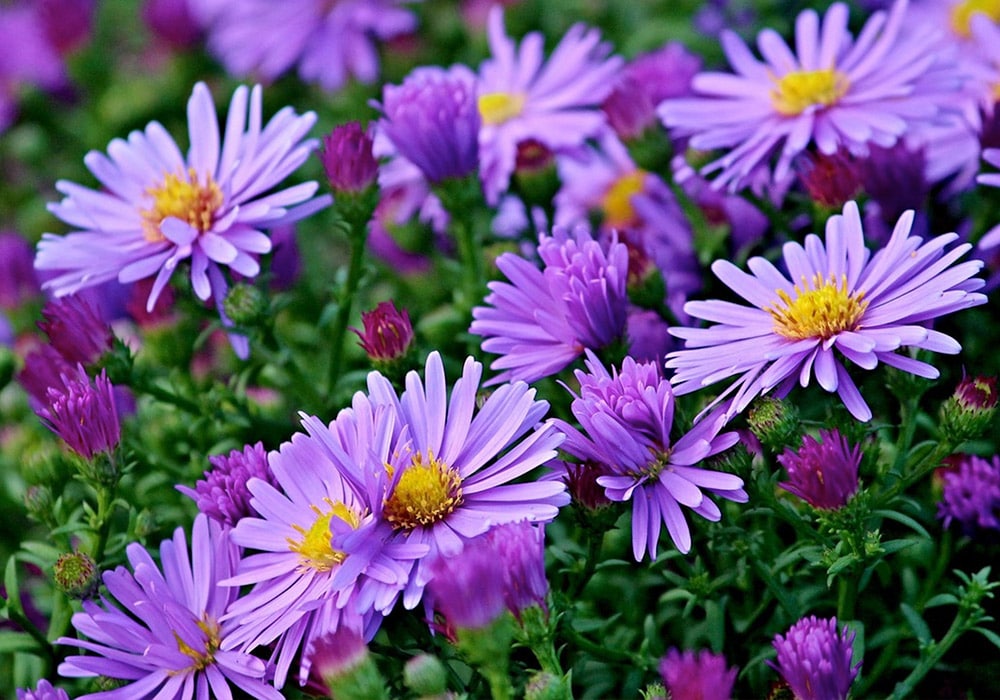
x: 43, y: 368
x: 520, y: 549
x: 542, y: 320
x: 29, y: 57
x: 431, y: 120
x: 75, y: 329
x: 159, y: 208
x: 830, y: 180
x: 67, y: 23
x: 83, y: 413
x: 895, y: 179
x: 43, y: 691
x: 815, y: 659
x: 18, y: 281
x: 627, y: 418
x: 522, y: 97
x: 171, y: 21
x: 698, y: 675
x: 648, y: 337
x: 223, y: 494
x: 166, y: 637
x: 823, y: 472
x: 468, y: 588
x: 971, y: 495
x: 347, y: 158
x: 329, y: 42
x: 836, y: 295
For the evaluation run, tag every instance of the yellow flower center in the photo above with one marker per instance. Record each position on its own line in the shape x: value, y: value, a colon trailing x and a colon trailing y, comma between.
x: 961, y: 14
x: 820, y: 309
x: 617, y: 202
x: 425, y: 494
x: 314, y: 548
x: 205, y: 657
x: 182, y: 198
x: 795, y: 92
x: 498, y: 107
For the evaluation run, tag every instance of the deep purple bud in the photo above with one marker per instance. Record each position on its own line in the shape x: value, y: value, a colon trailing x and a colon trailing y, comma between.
x: 432, y: 119
x: 76, y: 330
x: 895, y: 178
x: 223, y: 494
x: 823, y: 473
x: 43, y: 368
x: 83, y: 413
x: 388, y: 332
x: 697, y: 676
x: 171, y: 21
x: 43, y: 691
x: 815, y: 659
x: 831, y: 180
x: 67, y: 23
x: 971, y: 495
x: 347, y: 158
x: 17, y: 271
x: 977, y: 393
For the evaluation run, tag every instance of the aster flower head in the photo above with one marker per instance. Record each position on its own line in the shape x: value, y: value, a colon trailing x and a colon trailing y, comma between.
x: 698, y: 675
x: 223, y: 495
x: 833, y: 91
x: 971, y: 495
x: 627, y: 417
x: 554, y: 103
x: 836, y: 297
x: 83, y: 413
x: 814, y: 658
x: 823, y: 472
x: 30, y: 57
x: 159, y: 208
x: 347, y: 158
x: 43, y: 691
x: 431, y: 120
x: 164, y: 636
x: 520, y: 551
x: 327, y: 42
x: 453, y: 477
x: 75, y: 329
x: 542, y: 320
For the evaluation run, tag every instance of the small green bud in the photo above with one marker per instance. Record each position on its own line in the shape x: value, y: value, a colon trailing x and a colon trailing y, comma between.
x: 76, y: 575
x: 968, y: 412
x: 342, y: 660
x: 145, y: 524
x: 654, y: 691
x: 775, y: 423
x: 546, y: 686
x: 425, y: 675
x: 38, y: 503
x: 245, y: 305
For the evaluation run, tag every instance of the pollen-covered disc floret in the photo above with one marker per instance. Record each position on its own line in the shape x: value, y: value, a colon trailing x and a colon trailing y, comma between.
x: 427, y: 492
x: 847, y: 304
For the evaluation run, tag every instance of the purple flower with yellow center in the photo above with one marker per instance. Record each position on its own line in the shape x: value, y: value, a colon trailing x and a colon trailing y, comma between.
x: 522, y: 97
x: 823, y: 472
x: 159, y: 208
x: 328, y: 41
x: 836, y: 297
x: 971, y: 495
x: 223, y: 494
x: 814, y: 658
x: 834, y: 91
x: 83, y: 413
x: 454, y: 474
x: 542, y: 320
x: 165, y: 636
x: 322, y: 539
x: 627, y: 417
x: 699, y: 675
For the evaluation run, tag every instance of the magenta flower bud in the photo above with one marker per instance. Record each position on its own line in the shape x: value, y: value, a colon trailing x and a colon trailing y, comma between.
x: 388, y: 333
x: 823, y: 473
x: 83, y: 413
x: 697, y: 676
x: 76, y: 330
x: 977, y: 393
x: 815, y: 659
x: 171, y: 21
x: 347, y: 158
x: 831, y: 180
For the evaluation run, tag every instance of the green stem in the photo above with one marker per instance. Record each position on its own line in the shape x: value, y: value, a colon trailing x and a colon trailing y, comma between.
x: 908, y: 427
x: 934, y: 653
x: 594, y: 542
x: 472, y: 262
x: 921, y: 465
x: 22, y: 621
x: 105, y: 501
x: 604, y: 653
x: 500, y: 686
x: 847, y: 593
x: 358, y: 238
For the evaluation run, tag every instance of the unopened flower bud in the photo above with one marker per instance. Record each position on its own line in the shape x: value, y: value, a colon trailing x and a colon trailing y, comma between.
x: 388, y: 333
x: 38, y: 502
x: 347, y: 158
x: 968, y: 412
x: 77, y: 575
x: 342, y: 660
x: 145, y: 524
x: 775, y: 423
x: 425, y: 675
x: 245, y: 305
x: 546, y: 686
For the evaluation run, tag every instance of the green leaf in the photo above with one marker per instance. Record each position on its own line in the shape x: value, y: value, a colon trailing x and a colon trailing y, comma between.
x: 13, y: 591
x: 11, y: 641
x: 989, y: 634
x: 941, y: 599
x: 916, y: 622
x: 903, y: 520
x: 894, y: 546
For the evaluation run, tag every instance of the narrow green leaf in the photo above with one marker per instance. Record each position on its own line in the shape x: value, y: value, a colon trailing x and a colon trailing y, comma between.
x: 916, y: 622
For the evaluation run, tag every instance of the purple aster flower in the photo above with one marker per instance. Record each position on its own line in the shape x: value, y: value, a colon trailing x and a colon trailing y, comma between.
x: 971, y: 495
x: 83, y: 413
x: 17, y: 271
x: 322, y: 541
x: 520, y: 549
x: 388, y: 333
x: 67, y: 23
x: 223, y: 494
x: 649, y: 339
x: 835, y: 91
x: 329, y: 42
x: 75, y: 329
x: 697, y: 676
x: 347, y: 158
x: 837, y: 296
x: 627, y: 417
x: 171, y: 21
x: 522, y: 96
x: 159, y: 208
x: 30, y: 58
x: 43, y: 691
x: 165, y: 636
x: 815, y: 659
x: 542, y: 320
x: 455, y: 474
x: 823, y: 472
x: 468, y: 588
x: 431, y: 120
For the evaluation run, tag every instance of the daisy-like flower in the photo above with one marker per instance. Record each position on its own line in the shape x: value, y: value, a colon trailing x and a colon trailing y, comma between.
x: 451, y: 478
x: 330, y: 42
x: 834, y: 91
x: 324, y: 556
x: 166, y: 638
x: 522, y: 97
x: 542, y: 320
x: 836, y: 297
x: 627, y: 418
x: 159, y: 208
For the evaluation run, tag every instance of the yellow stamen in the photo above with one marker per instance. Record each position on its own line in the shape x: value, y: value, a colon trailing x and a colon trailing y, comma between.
x: 498, y: 107
x: 314, y: 548
x: 617, y: 202
x: 206, y: 657
x: 820, y: 309
x: 425, y: 494
x: 962, y: 13
x: 182, y: 198
x: 795, y: 92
